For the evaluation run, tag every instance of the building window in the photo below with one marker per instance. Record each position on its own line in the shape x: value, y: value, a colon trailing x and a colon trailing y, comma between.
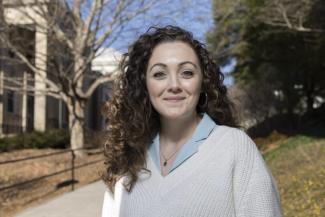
x: 10, y: 101
x: 11, y: 54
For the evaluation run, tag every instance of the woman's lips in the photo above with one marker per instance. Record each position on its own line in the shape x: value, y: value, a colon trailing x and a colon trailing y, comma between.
x: 174, y: 99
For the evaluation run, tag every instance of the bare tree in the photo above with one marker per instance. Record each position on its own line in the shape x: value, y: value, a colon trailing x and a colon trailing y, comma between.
x: 289, y: 14
x: 68, y: 35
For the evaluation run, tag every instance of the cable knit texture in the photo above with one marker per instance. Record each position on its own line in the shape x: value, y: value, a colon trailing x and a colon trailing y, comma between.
x: 226, y: 177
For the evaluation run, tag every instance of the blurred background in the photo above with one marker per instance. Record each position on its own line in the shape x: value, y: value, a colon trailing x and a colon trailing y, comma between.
x: 59, y: 59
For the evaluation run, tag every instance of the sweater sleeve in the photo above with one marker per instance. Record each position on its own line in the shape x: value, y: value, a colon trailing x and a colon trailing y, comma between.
x: 108, y: 204
x: 255, y: 189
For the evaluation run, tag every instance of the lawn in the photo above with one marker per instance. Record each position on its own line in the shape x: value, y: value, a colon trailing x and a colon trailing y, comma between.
x: 298, y: 165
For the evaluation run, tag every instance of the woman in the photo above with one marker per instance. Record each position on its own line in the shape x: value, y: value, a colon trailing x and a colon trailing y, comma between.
x: 172, y: 148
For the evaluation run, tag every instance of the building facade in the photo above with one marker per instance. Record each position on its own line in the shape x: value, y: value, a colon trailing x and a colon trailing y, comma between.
x: 20, y: 109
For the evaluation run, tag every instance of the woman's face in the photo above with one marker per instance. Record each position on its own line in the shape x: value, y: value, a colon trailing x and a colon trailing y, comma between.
x: 174, y: 79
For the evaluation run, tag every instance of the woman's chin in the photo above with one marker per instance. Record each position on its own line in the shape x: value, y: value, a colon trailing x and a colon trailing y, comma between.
x: 175, y: 115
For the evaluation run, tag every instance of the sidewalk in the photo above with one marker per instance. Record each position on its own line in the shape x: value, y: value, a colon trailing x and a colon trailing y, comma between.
x: 86, y: 201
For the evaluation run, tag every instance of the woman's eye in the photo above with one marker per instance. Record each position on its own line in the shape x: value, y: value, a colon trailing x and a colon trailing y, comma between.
x: 158, y: 74
x: 187, y: 73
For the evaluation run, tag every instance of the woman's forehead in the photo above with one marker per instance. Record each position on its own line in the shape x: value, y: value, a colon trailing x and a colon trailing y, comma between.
x: 173, y: 52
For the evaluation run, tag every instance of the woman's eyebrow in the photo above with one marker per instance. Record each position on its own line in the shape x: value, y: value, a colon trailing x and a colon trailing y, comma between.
x: 180, y: 64
x: 188, y: 62
x: 158, y: 64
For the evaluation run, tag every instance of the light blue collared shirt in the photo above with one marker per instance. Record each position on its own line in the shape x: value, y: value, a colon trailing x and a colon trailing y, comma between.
x: 202, y: 131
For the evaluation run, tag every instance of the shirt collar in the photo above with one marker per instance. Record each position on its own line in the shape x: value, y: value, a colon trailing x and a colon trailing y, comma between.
x: 202, y: 131
x: 204, y: 128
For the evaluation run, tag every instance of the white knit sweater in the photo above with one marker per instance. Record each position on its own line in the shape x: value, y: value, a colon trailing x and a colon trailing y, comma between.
x: 226, y: 177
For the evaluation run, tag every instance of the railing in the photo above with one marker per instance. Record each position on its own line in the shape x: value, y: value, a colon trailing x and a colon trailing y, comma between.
x: 72, y: 168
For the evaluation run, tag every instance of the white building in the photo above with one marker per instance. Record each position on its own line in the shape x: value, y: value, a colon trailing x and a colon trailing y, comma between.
x: 24, y: 111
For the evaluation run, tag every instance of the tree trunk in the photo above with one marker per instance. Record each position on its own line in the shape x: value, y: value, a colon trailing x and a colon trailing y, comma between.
x: 1, y: 67
x: 77, y: 108
x: 310, y: 103
x: 309, y: 88
x: 76, y: 127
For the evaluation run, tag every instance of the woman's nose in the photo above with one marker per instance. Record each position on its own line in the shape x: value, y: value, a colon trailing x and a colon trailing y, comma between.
x: 174, y: 83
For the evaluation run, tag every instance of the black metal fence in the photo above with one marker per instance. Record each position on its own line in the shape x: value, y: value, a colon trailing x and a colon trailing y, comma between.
x: 71, y: 169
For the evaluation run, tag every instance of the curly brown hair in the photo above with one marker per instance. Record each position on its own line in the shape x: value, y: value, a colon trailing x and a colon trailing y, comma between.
x: 132, y: 120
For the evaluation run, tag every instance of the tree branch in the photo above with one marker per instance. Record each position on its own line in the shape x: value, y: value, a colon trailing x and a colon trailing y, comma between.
x: 97, y: 82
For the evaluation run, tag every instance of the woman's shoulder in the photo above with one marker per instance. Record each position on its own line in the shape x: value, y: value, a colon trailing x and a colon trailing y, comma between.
x: 231, y: 133
x: 246, y: 157
x: 234, y: 139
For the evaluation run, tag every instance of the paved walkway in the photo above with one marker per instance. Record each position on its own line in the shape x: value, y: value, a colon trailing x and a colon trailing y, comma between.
x: 86, y: 201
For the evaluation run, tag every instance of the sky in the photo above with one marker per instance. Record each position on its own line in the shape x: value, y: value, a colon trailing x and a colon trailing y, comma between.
x: 192, y: 15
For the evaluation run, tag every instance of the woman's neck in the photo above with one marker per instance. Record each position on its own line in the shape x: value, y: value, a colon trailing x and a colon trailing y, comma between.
x: 175, y: 131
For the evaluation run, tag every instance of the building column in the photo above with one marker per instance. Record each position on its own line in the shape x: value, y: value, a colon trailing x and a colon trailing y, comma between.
x: 41, y: 65
x: 24, y: 103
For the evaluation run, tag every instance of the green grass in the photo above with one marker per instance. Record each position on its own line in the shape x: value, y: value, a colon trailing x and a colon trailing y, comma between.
x: 298, y: 166
x: 289, y: 144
